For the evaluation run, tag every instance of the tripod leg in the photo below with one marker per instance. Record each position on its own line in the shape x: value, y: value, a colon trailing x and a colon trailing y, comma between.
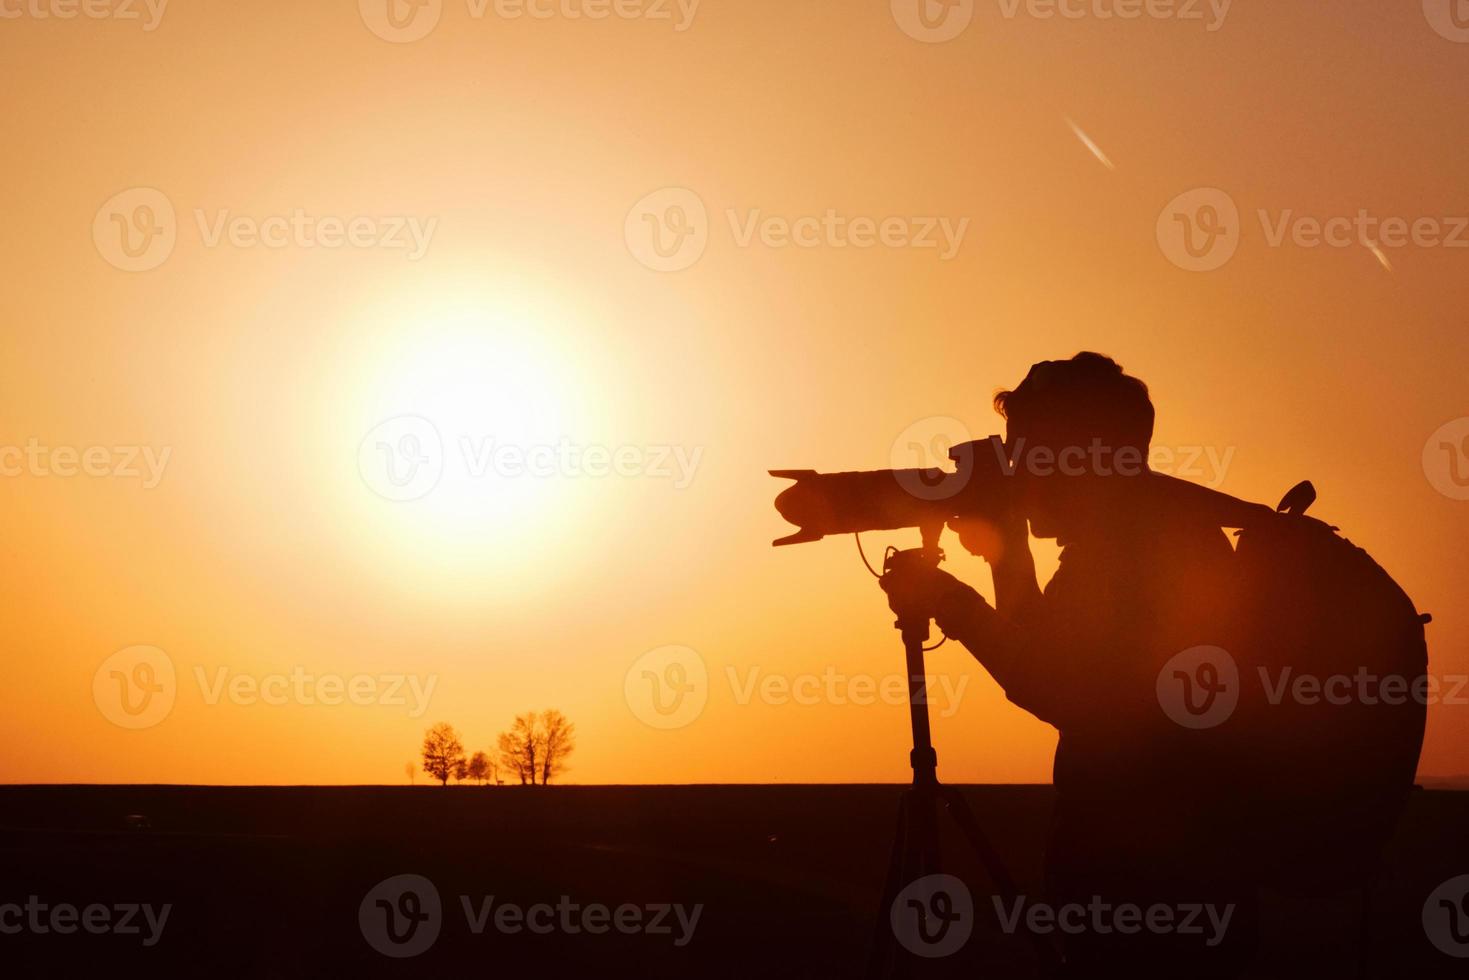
x: 915, y: 854
x: 988, y: 856
x: 923, y: 819
x: 1005, y: 887
x: 882, y: 961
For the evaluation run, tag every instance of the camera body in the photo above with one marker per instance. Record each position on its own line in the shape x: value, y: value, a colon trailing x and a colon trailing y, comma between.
x: 884, y: 500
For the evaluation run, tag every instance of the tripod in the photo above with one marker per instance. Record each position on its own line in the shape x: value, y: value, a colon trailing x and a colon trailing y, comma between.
x: 915, y: 853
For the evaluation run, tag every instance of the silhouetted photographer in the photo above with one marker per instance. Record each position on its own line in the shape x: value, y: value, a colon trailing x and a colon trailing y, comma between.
x: 1188, y: 774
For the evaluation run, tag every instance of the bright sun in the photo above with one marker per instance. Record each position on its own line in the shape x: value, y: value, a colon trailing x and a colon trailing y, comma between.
x: 467, y: 419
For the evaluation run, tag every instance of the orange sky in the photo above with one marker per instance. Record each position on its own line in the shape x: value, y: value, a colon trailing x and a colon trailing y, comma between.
x: 526, y: 312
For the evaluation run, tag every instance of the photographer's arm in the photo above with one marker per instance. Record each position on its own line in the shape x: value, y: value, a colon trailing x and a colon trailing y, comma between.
x: 1006, y: 547
x: 1038, y: 664
x: 1033, y: 660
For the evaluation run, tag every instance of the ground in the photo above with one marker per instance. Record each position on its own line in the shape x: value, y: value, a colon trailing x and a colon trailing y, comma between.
x: 269, y: 882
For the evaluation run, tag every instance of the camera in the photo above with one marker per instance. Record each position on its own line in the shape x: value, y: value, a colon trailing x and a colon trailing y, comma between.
x: 884, y: 500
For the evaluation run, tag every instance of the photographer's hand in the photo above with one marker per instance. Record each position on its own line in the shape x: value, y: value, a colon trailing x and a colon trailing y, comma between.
x: 992, y: 540
x: 925, y: 592
x: 1005, y: 545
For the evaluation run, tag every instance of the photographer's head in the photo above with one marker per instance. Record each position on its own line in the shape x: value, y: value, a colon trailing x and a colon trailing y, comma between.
x: 1076, y: 430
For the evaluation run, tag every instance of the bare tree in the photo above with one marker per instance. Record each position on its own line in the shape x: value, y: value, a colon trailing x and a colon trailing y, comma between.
x: 536, y: 746
x: 557, y: 738
x: 511, y: 759
x: 519, y: 748
x: 411, y: 770
x: 443, y: 753
x: 481, y: 768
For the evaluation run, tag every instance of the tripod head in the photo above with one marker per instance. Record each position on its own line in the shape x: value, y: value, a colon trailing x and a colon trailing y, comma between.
x: 912, y: 612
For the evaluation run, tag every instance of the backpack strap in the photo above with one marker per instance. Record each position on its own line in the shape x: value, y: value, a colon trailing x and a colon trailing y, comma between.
x: 1213, y: 507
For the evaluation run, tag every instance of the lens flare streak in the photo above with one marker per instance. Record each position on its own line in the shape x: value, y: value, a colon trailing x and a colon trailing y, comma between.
x: 1091, y: 145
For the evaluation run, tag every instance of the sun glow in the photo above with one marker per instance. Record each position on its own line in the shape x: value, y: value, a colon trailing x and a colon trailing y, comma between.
x: 466, y: 421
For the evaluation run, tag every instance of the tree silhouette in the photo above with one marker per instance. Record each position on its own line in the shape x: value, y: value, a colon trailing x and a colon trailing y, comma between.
x: 481, y: 768
x: 519, y: 748
x: 510, y: 757
x: 557, y: 738
x: 536, y: 746
x: 443, y: 753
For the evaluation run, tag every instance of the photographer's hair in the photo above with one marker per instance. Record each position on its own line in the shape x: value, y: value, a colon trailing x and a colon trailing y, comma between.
x: 1085, y: 398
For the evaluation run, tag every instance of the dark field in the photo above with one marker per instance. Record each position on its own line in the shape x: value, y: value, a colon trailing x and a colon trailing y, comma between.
x: 267, y: 882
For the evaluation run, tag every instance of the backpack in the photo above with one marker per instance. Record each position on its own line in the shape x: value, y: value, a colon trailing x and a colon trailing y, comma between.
x: 1332, y: 662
